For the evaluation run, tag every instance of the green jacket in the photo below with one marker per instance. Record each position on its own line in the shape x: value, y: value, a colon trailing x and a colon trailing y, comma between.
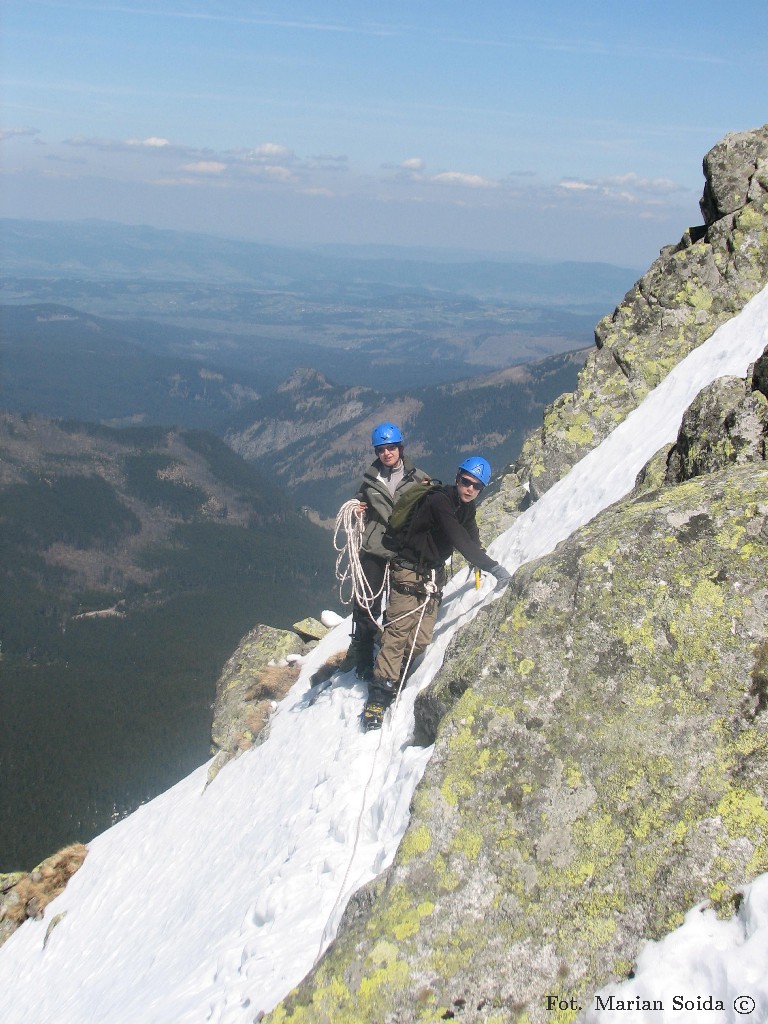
x: 375, y: 494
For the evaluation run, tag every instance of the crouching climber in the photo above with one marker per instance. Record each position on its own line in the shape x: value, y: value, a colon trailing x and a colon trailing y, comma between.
x: 442, y: 522
x: 388, y: 477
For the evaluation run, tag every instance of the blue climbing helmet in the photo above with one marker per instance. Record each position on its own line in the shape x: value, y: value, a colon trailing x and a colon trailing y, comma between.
x: 477, y: 467
x: 386, y: 433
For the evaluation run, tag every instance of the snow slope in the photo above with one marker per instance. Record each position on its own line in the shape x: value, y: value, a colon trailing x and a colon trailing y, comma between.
x: 211, y: 904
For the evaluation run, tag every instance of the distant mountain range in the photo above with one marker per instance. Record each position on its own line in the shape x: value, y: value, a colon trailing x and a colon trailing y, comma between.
x: 388, y: 319
x: 314, y: 436
x: 103, y: 251
x: 308, y: 432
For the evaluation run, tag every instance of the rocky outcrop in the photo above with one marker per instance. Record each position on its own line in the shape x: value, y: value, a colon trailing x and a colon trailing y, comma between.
x: 600, y: 766
x: 315, y: 437
x: 304, y: 406
x: 688, y: 292
x: 257, y: 675
x: 601, y: 736
x: 727, y: 424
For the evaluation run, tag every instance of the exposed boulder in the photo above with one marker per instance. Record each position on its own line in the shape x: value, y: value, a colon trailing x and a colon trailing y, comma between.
x: 726, y: 424
x: 760, y: 374
x: 310, y: 629
x: 736, y: 171
x: 256, y: 676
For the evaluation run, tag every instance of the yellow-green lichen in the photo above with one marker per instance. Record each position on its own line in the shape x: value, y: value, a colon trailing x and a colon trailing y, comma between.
x: 416, y: 841
x: 580, y: 434
x: 743, y: 813
x: 395, y: 975
x: 749, y: 218
x: 467, y: 842
x: 447, y: 880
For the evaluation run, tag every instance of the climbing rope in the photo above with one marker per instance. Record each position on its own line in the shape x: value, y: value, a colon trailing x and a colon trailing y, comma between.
x: 431, y: 591
x: 348, y: 565
x: 358, y: 825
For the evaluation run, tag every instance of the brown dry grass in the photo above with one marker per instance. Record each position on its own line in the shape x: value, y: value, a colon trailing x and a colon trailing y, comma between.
x: 327, y: 669
x: 32, y: 894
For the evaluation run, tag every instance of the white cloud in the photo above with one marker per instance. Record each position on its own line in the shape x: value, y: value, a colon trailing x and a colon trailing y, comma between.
x: 149, y: 146
x: 205, y: 167
x: 656, y: 186
x: 464, y: 180
x: 630, y: 187
x: 270, y: 151
x: 578, y: 186
x: 415, y: 163
x: 272, y: 172
x: 151, y: 143
x: 11, y: 133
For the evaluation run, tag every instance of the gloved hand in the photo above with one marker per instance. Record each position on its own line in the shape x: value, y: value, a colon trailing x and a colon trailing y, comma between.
x: 503, y: 578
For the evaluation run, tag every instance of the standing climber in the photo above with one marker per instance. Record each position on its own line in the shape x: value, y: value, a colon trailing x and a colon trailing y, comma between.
x: 443, y: 521
x: 389, y: 476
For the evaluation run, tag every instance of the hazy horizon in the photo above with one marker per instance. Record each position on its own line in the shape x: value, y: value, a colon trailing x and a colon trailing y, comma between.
x: 557, y: 132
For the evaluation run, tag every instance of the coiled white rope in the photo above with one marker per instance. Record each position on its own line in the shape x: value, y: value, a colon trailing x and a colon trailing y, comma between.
x: 350, y: 521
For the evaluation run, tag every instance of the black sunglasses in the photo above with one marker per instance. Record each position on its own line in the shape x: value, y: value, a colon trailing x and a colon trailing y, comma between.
x: 386, y: 448
x: 466, y: 481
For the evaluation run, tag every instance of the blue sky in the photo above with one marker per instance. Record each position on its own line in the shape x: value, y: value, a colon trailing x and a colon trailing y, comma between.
x: 551, y: 129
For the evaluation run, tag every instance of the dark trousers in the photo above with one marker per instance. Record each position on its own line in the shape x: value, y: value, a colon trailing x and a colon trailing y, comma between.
x: 364, y: 629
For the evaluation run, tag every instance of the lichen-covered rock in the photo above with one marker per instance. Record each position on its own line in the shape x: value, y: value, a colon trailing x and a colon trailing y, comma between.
x: 736, y: 170
x: 727, y: 423
x: 686, y: 295
x: 310, y: 629
x: 254, y: 678
x: 8, y: 881
x: 497, y: 511
x: 760, y: 374
x: 600, y: 765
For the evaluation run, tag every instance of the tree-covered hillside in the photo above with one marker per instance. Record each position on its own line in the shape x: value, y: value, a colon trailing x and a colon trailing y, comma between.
x: 131, y: 562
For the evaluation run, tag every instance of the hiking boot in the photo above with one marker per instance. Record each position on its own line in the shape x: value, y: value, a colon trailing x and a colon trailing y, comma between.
x: 359, y: 657
x: 372, y: 716
x: 349, y: 661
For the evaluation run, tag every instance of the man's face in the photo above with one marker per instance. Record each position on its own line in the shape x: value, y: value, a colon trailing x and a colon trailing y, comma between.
x: 469, y: 486
x: 388, y: 454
